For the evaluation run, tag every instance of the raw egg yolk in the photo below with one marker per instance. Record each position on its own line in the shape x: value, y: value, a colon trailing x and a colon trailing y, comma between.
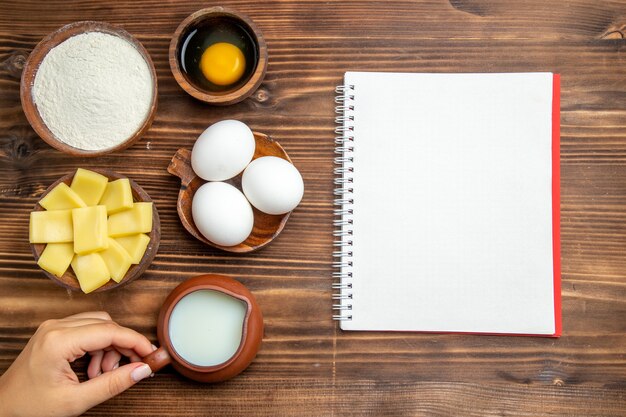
x: 222, y: 63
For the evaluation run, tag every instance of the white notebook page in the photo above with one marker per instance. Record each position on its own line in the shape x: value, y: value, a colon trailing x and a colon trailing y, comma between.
x: 452, y: 203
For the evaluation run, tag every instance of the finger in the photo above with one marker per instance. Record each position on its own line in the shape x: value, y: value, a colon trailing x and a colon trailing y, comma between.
x: 111, y: 360
x: 110, y: 384
x: 83, y: 319
x: 95, y: 364
x: 130, y: 354
x: 68, y: 323
x: 102, y: 335
x: 101, y: 315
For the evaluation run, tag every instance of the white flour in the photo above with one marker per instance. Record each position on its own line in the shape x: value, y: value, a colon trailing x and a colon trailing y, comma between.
x: 93, y: 90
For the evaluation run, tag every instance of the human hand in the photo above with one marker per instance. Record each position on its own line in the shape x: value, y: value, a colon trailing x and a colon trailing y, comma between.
x: 41, y: 381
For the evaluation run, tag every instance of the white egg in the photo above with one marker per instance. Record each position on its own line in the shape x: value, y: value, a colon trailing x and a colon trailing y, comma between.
x: 272, y: 185
x: 222, y: 213
x: 223, y: 150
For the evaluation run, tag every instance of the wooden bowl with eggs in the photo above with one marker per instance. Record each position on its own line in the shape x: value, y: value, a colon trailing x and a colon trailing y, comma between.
x: 68, y: 279
x: 266, y: 226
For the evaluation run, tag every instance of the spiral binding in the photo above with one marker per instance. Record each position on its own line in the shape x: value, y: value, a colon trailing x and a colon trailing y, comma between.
x: 343, y: 212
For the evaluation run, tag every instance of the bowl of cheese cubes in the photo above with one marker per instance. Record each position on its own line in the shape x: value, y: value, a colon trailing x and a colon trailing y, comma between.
x: 94, y: 230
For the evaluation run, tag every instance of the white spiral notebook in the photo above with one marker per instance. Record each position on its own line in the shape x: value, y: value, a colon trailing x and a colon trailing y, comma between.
x: 447, y: 203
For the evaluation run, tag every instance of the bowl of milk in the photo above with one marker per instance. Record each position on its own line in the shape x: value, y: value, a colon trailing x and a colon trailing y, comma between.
x: 210, y: 329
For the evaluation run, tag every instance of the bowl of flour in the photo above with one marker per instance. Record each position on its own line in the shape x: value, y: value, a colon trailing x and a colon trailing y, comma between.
x: 89, y: 88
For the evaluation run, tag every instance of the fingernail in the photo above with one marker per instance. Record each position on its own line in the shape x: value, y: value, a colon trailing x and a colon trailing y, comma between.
x: 99, y: 373
x: 141, y: 372
x: 154, y: 348
x: 117, y: 365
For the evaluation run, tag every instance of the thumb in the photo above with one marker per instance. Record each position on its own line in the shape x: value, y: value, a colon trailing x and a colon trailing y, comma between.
x: 110, y: 384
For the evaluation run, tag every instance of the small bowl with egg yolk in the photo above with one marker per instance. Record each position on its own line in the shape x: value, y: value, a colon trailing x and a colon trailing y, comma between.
x: 218, y: 56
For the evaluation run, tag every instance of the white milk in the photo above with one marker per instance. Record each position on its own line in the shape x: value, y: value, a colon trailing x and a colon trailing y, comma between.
x: 205, y: 327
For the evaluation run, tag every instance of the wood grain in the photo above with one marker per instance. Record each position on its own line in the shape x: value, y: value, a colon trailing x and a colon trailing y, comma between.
x: 307, y: 367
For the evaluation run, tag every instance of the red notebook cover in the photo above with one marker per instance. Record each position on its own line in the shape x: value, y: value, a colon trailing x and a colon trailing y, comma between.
x: 556, y: 199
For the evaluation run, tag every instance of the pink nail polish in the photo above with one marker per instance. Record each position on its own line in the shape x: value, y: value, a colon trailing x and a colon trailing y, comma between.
x: 140, y: 372
x: 154, y: 348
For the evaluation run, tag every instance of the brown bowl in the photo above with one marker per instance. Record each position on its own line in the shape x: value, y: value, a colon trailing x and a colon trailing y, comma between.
x: 69, y: 280
x: 266, y: 226
x: 251, y: 336
x: 229, y: 96
x: 30, y: 71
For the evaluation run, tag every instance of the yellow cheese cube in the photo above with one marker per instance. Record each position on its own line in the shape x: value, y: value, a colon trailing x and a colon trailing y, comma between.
x: 128, y: 222
x: 54, y: 226
x: 135, y: 245
x: 117, y: 196
x: 89, y: 186
x: 116, y: 259
x: 90, y: 229
x: 56, y: 258
x: 61, y: 197
x: 91, y: 271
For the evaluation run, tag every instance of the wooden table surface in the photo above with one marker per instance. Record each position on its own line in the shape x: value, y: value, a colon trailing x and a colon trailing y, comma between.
x: 307, y: 366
